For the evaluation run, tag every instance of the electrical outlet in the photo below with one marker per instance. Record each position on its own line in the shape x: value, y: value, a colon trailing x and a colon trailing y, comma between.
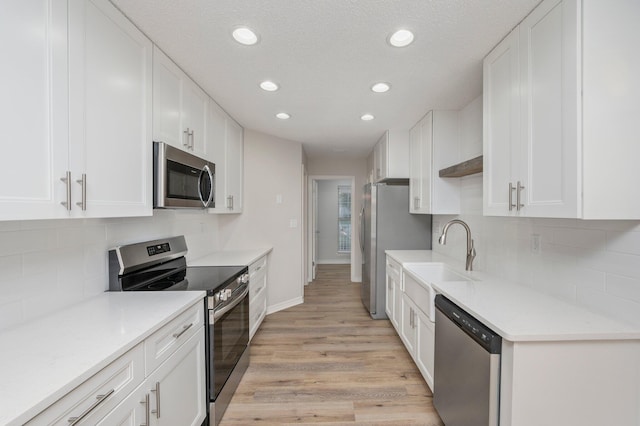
x: 535, y: 244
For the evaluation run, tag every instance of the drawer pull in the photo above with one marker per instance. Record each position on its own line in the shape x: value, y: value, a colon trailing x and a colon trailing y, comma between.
x: 147, y: 416
x: 157, y: 392
x: 184, y: 330
x: 99, y: 400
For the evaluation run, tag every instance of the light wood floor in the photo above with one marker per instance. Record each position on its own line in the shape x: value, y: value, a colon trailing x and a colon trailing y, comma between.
x: 326, y: 362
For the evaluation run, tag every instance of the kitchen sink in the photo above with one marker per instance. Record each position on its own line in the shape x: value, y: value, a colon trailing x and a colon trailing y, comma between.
x: 418, y: 283
x: 435, y: 272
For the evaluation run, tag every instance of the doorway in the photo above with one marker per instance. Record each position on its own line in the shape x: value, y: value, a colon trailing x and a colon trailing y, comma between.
x: 332, y: 226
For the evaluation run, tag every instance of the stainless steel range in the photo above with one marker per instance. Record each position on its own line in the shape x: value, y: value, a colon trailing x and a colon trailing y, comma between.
x: 160, y: 265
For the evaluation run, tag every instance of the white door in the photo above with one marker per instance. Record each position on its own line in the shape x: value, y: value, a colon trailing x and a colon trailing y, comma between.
x: 216, y: 151
x: 314, y: 225
x: 501, y: 97
x: 33, y: 109
x: 177, y: 387
x: 194, y: 116
x: 234, y: 168
x: 549, y: 90
x: 167, y: 100
x: 110, y: 111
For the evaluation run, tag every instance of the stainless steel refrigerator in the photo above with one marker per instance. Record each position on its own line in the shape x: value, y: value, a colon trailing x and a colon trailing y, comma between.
x: 386, y: 224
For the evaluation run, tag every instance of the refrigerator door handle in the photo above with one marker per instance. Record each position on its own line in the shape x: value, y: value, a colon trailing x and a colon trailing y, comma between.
x: 361, y: 219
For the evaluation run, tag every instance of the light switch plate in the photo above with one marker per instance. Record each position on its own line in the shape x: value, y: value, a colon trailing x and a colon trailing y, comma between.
x: 535, y: 244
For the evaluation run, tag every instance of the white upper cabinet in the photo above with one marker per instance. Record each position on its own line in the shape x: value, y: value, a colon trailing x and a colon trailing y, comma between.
x: 391, y: 156
x: 110, y: 119
x: 33, y: 109
x: 225, y: 147
x: 75, y: 106
x: 434, y: 145
x: 179, y: 107
x: 559, y: 107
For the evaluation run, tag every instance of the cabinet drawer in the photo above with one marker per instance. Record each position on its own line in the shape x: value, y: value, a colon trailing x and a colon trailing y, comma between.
x: 161, y: 344
x: 99, y: 394
x: 257, y: 266
x: 422, y: 295
x: 393, y: 269
x: 257, y: 284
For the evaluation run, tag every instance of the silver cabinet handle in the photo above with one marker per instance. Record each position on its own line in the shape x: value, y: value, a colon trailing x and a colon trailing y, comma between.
x: 416, y: 203
x: 157, y: 392
x: 184, y: 330
x: 411, y: 317
x: 67, y: 180
x: 230, y: 202
x: 519, y: 205
x: 511, y: 189
x: 99, y: 400
x: 83, y: 183
x: 185, y: 138
x: 147, y: 416
x: 191, y: 139
x: 362, y: 231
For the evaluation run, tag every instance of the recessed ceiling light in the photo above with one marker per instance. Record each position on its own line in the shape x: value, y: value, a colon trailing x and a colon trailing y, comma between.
x: 381, y: 87
x: 401, y: 38
x: 367, y: 117
x: 244, y: 35
x: 283, y: 116
x: 269, y: 86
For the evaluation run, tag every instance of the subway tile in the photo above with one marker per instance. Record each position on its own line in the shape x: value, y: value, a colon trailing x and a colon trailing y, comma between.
x: 624, y: 242
x: 10, y: 267
x: 623, y: 287
x: 11, y: 314
x: 574, y: 237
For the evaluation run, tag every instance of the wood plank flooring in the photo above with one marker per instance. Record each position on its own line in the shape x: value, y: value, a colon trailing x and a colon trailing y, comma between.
x: 326, y: 362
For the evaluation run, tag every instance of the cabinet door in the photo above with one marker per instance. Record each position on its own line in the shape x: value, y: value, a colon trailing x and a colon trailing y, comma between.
x: 130, y: 412
x: 415, y: 167
x: 194, y: 115
x: 501, y: 95
x: 167, y: 101
x: 33, y: 109
x: 390, y: 298
x: 408, y: 324
x: 425, y: 346
x: 234, y: 166
x: 548, y: 167
x: 110, y: 111
x: 177, y: 387
x: 426, y: 160
x: 216, y: 152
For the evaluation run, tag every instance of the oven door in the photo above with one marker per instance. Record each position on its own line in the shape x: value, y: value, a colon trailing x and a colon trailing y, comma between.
x: 228, y: 337
x: 182, y: 180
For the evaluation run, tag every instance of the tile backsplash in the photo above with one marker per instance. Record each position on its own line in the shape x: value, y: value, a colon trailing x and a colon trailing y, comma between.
x: 49, y: 264
x: 591, y: 263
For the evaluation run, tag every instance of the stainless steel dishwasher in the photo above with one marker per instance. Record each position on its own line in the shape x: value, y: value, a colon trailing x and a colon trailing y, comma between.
x: 467, y: 368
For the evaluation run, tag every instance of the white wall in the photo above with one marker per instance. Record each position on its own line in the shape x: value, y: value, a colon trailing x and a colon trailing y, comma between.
x: 46, y: 265
x: 328, y: 222
x: 272, y: 168
x: 591, y: 263
x: 346, y: 167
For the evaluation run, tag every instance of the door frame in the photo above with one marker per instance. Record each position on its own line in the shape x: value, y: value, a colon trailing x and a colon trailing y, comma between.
x: 311, y: 234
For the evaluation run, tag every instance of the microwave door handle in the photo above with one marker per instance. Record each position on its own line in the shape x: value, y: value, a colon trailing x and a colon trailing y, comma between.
x: 206, y: 170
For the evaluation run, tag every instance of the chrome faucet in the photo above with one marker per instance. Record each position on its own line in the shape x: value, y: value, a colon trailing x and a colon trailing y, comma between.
x: 471, y: 251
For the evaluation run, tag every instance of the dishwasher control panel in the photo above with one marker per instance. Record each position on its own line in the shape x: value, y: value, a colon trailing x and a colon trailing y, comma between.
x: 482, y: 334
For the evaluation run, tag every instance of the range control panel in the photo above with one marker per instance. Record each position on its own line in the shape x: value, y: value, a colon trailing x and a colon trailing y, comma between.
x: 158, y: 249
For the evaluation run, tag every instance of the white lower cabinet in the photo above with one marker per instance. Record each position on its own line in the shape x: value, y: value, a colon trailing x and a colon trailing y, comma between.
x: 257, y: 294
x: 171, y: 393
x: 408, y: 307
x: 394, y: 289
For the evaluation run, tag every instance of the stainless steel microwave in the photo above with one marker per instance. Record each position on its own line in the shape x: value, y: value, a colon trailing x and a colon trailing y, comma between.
x: 181, y: 180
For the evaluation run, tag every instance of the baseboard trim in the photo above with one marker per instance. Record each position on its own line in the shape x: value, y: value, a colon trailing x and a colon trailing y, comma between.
x: 334, y: 262
x: 284, y: 305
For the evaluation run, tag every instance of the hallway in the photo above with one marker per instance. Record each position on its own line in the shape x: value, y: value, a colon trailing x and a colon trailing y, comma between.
x: 325, y: 362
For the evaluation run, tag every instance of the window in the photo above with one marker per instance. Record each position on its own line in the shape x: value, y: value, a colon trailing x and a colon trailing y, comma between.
x: 344, y: 218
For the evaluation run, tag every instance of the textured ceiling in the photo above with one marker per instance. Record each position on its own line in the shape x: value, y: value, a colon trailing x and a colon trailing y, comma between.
x: 325, y: 55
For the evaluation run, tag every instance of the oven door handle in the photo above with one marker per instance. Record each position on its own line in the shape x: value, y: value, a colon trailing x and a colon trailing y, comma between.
x: 219, y: 313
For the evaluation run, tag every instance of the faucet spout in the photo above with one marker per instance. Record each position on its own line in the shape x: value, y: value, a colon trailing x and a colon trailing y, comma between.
x: 471, y: 251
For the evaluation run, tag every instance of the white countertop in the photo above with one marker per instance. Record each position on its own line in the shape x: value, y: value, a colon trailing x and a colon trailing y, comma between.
x: 516, y: 312
x: 42, y: 360
x: 230, y: 257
